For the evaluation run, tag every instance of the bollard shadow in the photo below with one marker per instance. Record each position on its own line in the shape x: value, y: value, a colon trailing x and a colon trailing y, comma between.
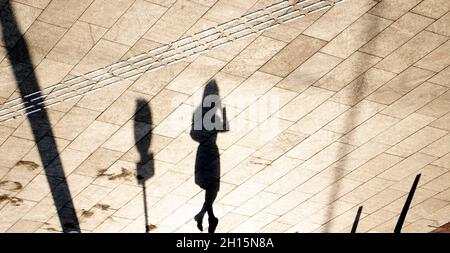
x: 19, y: 57
x: 145, y: 167
x: 206, y: 124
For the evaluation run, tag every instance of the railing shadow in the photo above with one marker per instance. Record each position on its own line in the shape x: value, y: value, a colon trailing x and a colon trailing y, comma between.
x: 20, y: 59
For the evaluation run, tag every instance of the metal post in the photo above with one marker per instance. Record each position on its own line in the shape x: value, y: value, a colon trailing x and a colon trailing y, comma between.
x: 402, y: 217
x: 355, y: 223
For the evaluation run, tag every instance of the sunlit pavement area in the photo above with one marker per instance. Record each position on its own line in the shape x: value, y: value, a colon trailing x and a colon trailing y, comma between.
x: 338, y: 109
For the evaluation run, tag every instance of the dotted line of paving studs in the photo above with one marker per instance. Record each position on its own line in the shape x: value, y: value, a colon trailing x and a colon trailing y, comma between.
x: 190, y: 46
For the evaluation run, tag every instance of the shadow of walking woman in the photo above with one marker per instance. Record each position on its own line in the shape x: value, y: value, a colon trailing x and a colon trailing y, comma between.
x: 206, y: 125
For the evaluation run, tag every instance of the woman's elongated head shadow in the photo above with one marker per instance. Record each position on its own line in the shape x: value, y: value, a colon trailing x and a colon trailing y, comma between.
x: 211, y: 88
x: 206, y: 122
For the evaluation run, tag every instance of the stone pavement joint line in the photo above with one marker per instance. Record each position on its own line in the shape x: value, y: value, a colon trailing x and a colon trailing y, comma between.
x: 132, y: 68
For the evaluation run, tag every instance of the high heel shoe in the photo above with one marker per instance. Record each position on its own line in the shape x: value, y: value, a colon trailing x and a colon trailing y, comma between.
x: 213, y: 221
x: 199, y: 220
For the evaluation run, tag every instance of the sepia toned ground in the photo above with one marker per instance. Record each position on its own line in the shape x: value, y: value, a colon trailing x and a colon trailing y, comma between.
x: 330, y: 112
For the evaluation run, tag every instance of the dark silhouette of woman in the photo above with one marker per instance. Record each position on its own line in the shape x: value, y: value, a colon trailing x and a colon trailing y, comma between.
x: 206, y: 125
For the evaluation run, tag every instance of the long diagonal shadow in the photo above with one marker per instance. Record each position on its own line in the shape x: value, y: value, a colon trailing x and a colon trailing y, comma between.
x: 358, y: 90
x: 20, y: 59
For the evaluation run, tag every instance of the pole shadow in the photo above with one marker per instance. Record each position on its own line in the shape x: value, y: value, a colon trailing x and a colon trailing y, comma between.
x: 359, y: 88
x: 19, y: 56
x: 206, y: 124
x: 145, y: 167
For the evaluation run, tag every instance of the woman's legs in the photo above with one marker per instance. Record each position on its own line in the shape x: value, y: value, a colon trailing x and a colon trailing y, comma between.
x: 210, y: 197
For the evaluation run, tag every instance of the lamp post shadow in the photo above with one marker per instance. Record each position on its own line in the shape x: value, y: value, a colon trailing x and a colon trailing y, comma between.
x: 358, y: 91
x: 145, y: 167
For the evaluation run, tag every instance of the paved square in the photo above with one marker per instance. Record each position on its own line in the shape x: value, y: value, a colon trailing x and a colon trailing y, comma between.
x: 338, y: 109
